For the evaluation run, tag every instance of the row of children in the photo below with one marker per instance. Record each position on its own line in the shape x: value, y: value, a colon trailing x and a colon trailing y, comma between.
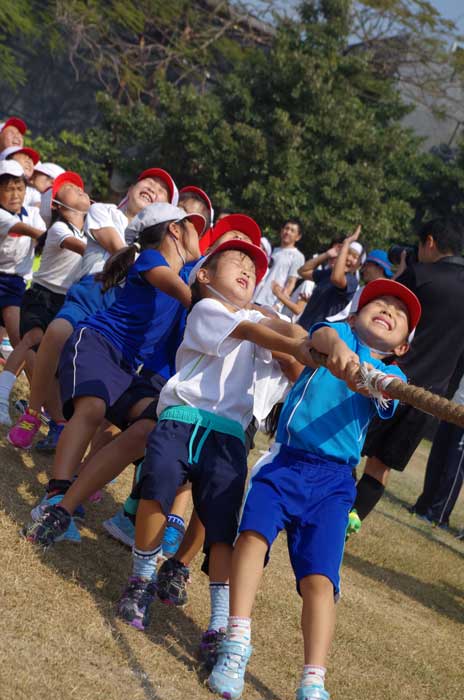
x: 155, y: 332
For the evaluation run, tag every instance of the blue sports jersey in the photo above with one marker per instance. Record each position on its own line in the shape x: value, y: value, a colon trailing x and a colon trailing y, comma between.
x: 142, y: 316
x: 321, y: 415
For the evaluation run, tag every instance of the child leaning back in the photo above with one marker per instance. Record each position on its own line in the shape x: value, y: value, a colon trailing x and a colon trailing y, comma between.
x: 305, y: 485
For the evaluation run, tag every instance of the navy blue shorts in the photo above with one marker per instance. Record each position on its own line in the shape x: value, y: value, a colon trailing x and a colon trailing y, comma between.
x: 310, y: 498
x: 218, y: 478
x: 91, y: 366
x: 39, y: 308
x: 12, y: 288
x: 146, y: 385
x: 84, y: 299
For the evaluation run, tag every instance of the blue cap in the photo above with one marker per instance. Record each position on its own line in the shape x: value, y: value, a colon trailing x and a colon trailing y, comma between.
x: 380, y: 258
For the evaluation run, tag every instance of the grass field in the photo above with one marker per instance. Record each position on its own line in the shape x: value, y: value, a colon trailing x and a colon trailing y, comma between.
x: 400, y: 625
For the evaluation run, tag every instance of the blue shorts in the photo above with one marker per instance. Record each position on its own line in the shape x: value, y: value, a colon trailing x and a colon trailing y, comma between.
x: 91, y: 366
x: 146, y: 385
x: 218, y: 477
x: 12, y: 288
x: 309, y: 497
x: 85, y: 298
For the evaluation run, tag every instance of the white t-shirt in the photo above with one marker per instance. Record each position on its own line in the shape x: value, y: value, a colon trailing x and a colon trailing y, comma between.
x: 271, y: 387
x: 215, y: 373
x: 59, y: 266
x: 285, y: 263
x: 100, y: 216
x: 32, y: 198
x: 16, y: 251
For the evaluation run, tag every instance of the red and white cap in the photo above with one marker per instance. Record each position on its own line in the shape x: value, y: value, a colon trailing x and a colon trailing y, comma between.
x: 68, y: 176
x: 253, y: 251
x: 7, y: 152
x: 50, y: 169
x: 383, y: 288
x: 162, y: 212
x: 233, y: 222
x: 16, y: 122
x: 166, y: 178
x: 202, y: 194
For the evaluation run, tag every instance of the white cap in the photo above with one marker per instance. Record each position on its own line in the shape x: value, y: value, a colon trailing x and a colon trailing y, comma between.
x: 11, y: 167
x: 159, y: 213
x: 266, y: 246
x: 50, y: 169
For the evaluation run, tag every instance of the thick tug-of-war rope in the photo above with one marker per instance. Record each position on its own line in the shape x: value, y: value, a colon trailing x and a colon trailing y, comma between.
x: 384, y: 387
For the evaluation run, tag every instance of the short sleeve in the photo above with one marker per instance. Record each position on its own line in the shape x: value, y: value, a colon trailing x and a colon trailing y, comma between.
x: 343, y: 330
x: 297, y: 262
x: 319, y: 275
x: 351, y: 284
x: 209, y: 325
x: 35, y: 219
x: 148, y: 259
x: 98, y: 216
x: 7, y: 221
x: 58, y: 233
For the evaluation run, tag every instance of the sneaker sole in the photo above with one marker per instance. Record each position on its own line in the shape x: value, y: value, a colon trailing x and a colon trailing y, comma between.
x: 117, y: 534
x: 18, y: 447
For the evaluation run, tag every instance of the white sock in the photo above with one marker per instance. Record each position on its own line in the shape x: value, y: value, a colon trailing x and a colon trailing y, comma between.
x: 313, y: 675
x: 239, y: 629
x: 7, y: 380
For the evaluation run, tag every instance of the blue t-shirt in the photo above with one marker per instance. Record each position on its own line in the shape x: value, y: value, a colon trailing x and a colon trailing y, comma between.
x: 327, y: 299
x: 161, y: 357
x: 321, y: 415
x: 142, y: 316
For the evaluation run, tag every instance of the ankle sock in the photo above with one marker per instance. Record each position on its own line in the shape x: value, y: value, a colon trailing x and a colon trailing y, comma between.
x: 144, y: 563
x: 219, y: 596
x: 369, y: 493
x: 7, y: 380
x: 313, y: 675
x: 239, y: 629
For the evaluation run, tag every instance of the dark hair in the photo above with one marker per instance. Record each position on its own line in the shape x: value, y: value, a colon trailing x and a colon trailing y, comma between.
x: 272, y: 419
x: 185, y: 196
x: 297, y: 222
x: 195, y: 288
x: 6, y: 179
x: 56, y: 216
x: 117, y: 266
x: 446, y: 232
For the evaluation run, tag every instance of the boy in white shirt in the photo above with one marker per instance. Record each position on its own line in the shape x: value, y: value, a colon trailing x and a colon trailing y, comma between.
x: 284, y: 265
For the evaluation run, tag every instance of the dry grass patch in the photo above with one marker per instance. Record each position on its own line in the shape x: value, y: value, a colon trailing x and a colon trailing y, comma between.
x: 399, y: 633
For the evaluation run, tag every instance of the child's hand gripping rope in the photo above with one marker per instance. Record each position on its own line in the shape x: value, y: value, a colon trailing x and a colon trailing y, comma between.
x: 383, y: 387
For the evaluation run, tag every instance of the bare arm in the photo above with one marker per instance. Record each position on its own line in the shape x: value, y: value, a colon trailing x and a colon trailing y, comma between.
x: 74, y: 244
x: 108, y: 238
x: 170, y: 283
x: 296, y: 307
x: 261, y: 334
x: 342, y: 362
x: 290, y: 285
x: 338, y: 276
x: 306, y: 270
x: 25, y: 230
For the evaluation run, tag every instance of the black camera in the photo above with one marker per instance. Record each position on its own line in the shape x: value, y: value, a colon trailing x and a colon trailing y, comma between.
x: 395, y: 252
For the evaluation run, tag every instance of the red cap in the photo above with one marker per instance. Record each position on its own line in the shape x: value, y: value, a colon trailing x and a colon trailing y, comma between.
x: 17, y: 122
x: 33, y: 155
x: 233, y: 222
x: 385, y: 287
x: 201, y: 193
x: 253, y: 251
x: 64, y: 178
x: 166, y: 178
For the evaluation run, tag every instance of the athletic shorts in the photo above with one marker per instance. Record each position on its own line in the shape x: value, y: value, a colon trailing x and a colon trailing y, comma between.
x: 218, y: 477
x: 308, y: 496
x: 395, y: 440
x: 91, y: 366
x: 84, y: 299
x: 39, y: 307
x: 12, y: 288
x: 146, y: 385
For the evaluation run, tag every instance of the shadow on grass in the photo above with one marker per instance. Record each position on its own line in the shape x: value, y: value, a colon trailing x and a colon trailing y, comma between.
x: 100, y: 565
x: 440, y: 598
x: 428, y: 532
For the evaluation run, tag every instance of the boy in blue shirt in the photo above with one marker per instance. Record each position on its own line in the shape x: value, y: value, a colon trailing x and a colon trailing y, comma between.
x: 305, y: 485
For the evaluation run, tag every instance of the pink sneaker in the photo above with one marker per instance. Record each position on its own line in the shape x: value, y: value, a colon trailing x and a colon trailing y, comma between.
x: 23, y: 433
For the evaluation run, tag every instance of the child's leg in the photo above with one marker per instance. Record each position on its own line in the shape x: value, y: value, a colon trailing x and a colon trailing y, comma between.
x: 193, y: 540
x: 317, y: 624
x: 46, y: 363
x: 11, y: 320
x: 175, y: 528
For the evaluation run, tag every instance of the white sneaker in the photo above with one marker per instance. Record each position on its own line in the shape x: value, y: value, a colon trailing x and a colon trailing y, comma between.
x: 5, y: 413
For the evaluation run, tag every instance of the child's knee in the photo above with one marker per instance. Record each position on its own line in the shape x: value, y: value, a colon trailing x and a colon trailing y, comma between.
x: 316, y: 585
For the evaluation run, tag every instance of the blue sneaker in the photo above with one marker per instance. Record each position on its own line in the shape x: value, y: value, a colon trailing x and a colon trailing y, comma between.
x: 48, y: 444
x: 54, y: 525
x: 173, y: 536
x: 312, y: 692
x: 121, y: 528
x: 227, y: 679
x: 38, y: 513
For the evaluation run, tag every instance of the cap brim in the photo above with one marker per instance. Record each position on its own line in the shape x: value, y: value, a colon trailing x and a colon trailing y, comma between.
x: 198, y: 220
x: 162, y: 175
x: 236, y: 222
x: 67, y: 177
x: 385, y: 287
x: 254, y: 252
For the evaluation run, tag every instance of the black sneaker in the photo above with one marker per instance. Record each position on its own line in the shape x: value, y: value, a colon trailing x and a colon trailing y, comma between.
x: 173, y: 578
x: 209, y: 645
x: 51, y: 526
